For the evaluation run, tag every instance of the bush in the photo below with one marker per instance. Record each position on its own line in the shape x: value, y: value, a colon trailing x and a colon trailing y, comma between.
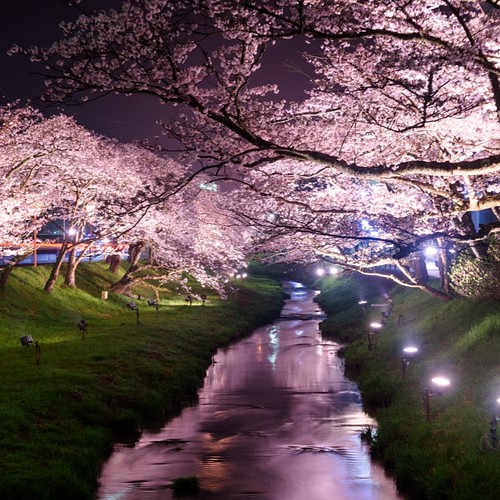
x: 478, y: 279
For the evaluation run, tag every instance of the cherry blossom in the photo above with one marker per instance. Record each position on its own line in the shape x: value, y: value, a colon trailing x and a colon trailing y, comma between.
x: 396, y: 119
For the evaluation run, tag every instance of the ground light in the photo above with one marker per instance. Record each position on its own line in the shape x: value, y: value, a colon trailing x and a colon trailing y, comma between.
x: 82, y: 326
x: 374, y: 327
x: 489, y: 440
x: 440, y: 384
x: 362, y: 304
x: 409, y: 353
x: 26, y: 340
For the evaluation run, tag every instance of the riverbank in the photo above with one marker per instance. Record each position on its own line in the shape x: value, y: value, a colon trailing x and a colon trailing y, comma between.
x: 433, y: 454
x: 62, y: 406
x: 276, y: 419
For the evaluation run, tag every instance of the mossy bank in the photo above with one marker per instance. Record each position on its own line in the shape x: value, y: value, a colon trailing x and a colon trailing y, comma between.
x: 64, y: 405
x: 433, y: 452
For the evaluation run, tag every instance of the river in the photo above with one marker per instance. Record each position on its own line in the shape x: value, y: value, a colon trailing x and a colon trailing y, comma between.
x: 276, y: 420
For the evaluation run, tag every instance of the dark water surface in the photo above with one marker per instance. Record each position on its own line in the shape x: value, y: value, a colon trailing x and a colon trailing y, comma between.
x: 276, y: 420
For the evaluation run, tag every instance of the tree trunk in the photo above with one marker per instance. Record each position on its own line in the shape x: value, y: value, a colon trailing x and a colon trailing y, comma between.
x: 54, y: 274
x: 73, y: 261
x: 4, y: 276
x: 7, y: 270
x: 70, y: 277
x: 420, y: 268
x: 443, y: 267
x: 134, y: 252
x: 478, y: 249
x: 114, y: 261
x: 123, y: 285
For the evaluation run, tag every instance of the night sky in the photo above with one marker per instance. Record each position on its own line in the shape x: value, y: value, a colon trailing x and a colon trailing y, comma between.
x: 36, y: 22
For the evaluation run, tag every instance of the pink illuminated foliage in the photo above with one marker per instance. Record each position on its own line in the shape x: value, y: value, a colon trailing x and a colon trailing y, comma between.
x: 189, y: 235
x: 54, y: 170
x: 389, y: 114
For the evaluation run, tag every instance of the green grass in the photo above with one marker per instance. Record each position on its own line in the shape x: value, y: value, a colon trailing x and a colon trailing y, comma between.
x: 61, y: 417
x: 439, y: 458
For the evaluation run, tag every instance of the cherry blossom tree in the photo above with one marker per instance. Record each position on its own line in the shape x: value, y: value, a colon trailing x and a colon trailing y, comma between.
x: 189, y: 236
x: 55, y: 170
x: 390, y: 114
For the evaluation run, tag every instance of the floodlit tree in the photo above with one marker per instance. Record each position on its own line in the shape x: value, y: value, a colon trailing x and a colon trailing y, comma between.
x: 189, y: 236
x: 389, y: 112
x: 54, y: 170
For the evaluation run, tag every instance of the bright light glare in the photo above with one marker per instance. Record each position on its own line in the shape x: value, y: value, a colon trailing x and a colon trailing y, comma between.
x: 365, y: 225
x: 430, y: 251
x: 410, y: 350
x: 320, y: 271
x: 376, y: 325
x: 72, y: 231
x: 441, y: 381
x: 333, y: 270
x: 361, y: 302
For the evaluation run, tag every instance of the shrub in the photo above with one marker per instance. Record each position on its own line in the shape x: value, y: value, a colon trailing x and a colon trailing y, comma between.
x: 478, y: 279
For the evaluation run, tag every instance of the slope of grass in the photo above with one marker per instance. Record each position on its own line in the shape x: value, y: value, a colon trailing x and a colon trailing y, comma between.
x: 440, y: 457
x: 60, y: 417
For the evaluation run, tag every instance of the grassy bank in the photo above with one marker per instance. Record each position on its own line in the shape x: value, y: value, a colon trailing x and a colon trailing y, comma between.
x: 61, y: 416
x: 437, y: 457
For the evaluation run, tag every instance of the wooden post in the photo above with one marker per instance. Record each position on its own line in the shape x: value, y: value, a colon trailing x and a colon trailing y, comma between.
x: 427, y: 404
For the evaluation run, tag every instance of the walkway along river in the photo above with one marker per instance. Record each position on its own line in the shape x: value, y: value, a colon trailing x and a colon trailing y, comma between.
x: 276, y: 420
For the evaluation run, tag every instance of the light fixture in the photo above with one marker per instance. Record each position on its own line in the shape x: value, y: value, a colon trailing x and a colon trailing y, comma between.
x: 409, y: 353
x: 441, y: 383
x: 410, y: 350
x: 26, y: 340
x: 371, y: 342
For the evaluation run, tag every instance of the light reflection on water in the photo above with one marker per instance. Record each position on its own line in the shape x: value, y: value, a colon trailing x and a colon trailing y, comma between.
x: 276, y: 420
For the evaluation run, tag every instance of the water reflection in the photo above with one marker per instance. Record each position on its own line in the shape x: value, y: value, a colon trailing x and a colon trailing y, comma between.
x: 276, y: 420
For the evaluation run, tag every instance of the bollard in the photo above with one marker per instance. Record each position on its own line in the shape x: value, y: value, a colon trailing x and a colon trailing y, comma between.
x: 427, y: 404
x: 82, y: 325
